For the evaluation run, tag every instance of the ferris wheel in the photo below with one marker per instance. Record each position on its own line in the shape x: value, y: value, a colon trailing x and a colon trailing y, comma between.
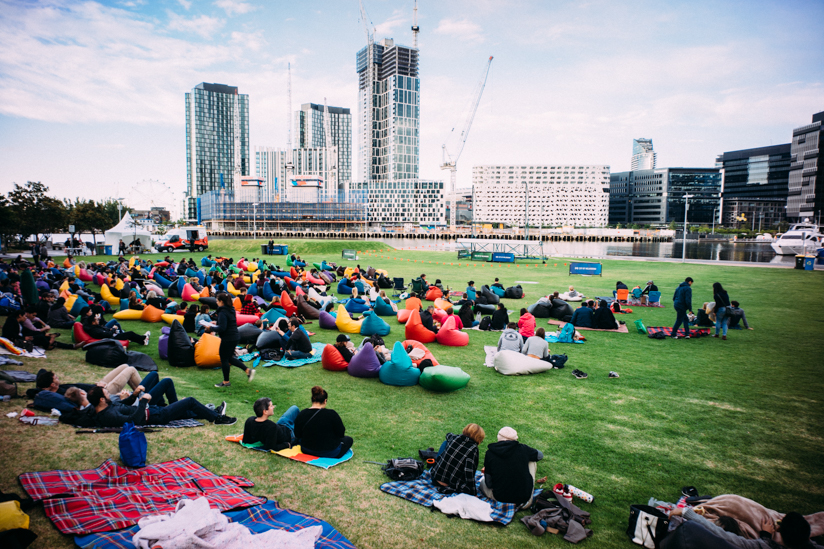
x: 151, y: 193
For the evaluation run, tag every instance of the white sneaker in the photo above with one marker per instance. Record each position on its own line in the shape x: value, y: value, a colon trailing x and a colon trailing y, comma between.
x: 148, y: 335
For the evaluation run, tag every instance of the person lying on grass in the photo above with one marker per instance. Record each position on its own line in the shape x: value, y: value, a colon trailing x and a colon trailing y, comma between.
x: 110, y: 414
x: 261, y: 429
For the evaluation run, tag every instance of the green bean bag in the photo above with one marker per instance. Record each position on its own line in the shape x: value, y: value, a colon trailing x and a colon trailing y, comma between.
x: 443, y: 379
x: 399, y: 371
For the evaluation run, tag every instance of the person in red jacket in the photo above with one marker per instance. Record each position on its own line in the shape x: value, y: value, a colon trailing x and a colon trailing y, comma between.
x: 526, y: 325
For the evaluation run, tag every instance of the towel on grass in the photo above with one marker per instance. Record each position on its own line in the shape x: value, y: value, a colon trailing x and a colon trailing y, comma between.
x: 422, y: 492
x: 295, y: 453
x: 552, y: 337
x: 622, y: 328
x: 667, y: 330
x: 286, y: 363
x: 174, y: 424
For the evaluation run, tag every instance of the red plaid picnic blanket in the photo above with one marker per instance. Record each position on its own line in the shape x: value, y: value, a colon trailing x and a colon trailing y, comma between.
x: 111, y: 497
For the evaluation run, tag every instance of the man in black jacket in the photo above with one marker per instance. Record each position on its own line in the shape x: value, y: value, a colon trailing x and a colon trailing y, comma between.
x: 509, y: 469
x: 427, y: 320
x: 298, y: 345
x: 109, y: 414
x: 96, y: 331
x: 500, y: 318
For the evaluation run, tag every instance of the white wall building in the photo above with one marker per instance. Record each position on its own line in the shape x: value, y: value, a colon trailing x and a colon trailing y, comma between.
x: 643, y: 157
x: 415, y: 201
x: 558, y: 195
x: 270, y: 166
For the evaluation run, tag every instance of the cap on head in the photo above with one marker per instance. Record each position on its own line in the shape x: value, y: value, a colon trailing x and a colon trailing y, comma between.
x: 507, y: 433
x: 343, y: 338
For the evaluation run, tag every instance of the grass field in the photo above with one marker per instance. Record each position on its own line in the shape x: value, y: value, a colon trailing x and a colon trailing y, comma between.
x: 741, y: 416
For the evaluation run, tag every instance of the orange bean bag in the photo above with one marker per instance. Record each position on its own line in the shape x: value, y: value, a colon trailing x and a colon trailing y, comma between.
x: 415, y: 329
x: 412, y: 303
x: 443, y: 304
x: 421, y: 346
x: 403, y: 315
x: 451, y: 337
x: 332, y: 360
x: 287, y: 304
x: 151, y: 314
x: 205, y: 292
x: 207, y: 351
x: 237, y: 304
x: 433, y: 293
x: 189, y: 293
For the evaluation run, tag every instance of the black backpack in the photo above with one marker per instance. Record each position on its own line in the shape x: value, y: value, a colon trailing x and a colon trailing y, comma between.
x: 486, y: 324
x: 558, y: 361
x: 403, y: 469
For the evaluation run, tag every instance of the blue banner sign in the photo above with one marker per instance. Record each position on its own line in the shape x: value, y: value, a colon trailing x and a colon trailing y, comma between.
x: 501, y: 257
x: 585, y: 269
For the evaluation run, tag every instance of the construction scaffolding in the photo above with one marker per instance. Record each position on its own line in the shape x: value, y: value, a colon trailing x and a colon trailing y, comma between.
x: 256, y: 209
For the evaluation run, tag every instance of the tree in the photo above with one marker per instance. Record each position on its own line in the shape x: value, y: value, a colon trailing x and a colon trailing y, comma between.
x: 91, y: 217
x: 35, y: 212
x: 672, y: 225
x: 8, y: 222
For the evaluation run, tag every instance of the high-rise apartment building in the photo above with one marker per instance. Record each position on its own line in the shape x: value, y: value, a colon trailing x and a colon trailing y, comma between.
x: 643, y: 157
x: 389, y: 114
x: 314, y: 163
x: 310, y: 129
x: 557, y: 195
x: 217, y: 140
x: 806, y: 180
x: 754, y: 183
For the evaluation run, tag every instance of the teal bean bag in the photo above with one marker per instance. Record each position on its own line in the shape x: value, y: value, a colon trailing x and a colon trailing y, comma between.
x: 399, y: 371
x: 443, y: 379
x: 272, y: 315
x: 374, y: 325
x: 383, y: 308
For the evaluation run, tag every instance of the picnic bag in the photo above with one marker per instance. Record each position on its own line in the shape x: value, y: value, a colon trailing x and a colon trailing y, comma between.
x: 403, y: 469
x: 558, y: 361
x: 133, y: 446
x: 647, y: 526
x: 486, y: 324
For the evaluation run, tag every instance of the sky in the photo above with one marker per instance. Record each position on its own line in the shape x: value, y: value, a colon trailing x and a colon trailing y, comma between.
x: 92, y: 92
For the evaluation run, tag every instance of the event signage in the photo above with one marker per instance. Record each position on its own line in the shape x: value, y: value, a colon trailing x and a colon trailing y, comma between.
x: 349, y: 254
x: 462, y: 254
x: 585, y: 269
x: 481, y: 256
x: 503, y: 257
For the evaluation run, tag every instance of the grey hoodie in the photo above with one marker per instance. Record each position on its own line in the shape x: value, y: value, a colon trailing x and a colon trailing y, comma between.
x: 510, y: 340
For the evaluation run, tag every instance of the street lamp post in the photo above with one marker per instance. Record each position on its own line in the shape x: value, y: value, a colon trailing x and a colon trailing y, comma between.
x: 684, y: 244
x: 713, y: 219
x: 254, y: 226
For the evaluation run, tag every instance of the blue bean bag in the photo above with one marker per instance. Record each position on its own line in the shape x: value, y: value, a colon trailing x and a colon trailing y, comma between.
x: 253, y: 289
x: 206, y: 262
x: 273, y: 314
x: 162, y: 280
x: 443, y: 379
x: 268, y: 293
x: 124, y: 304
x: 191, y: 272
x: 365, y: 363
x: 326, y: 321
x: 497, y: 291
x: 360, y: 286
x: 356, y: 305
x: 281, y: 274
x: 78, y: 304
x: 181, y: 281
x: 374, y: 325
x: 201, y: 276
x: 399, y: 371
x: 344, y: 287
x: 383, y: 308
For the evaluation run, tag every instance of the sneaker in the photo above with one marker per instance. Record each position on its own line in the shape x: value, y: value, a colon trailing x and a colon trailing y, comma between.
x: 222, y: 385
x: 716, y: 335
x: 579, y: 374
x: 724, y: 338
x: 252, y: 373
x: 225, y: 420
x: 221, y: 410
x: 210, y: 406
x: 613, y: 374
x: 686, y: 336
x: 148, y: 335
x: 677, y: 337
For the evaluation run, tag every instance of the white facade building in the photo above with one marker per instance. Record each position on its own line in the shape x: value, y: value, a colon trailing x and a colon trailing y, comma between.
x: 558, y: 195
x: 416, y: 201
x: 643, y: 157
x: 270, y: 166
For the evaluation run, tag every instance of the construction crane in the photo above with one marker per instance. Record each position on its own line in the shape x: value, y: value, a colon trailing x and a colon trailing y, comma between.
x: 450, y: 162
x: 367, y: 101
x: 288, y: 166
x: 415, y: 28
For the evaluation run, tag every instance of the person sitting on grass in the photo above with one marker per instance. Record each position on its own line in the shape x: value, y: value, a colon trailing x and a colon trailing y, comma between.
x: 320, y: 430
x: 510, y: 339
x: 298, y: 346
x: 457, y: 461
x: 261, y: 430
x: 59, y: 317
x: 582, y: 317
x: 500, y: 318
x: 526, y: 325
x: 509, y: 469
x: 536, y: 346
x: 109, y: 414
x: 736, y: 314
x: 603, y: 319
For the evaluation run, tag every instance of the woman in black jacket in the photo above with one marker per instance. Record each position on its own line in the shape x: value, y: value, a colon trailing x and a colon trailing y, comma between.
x: 500, y: 318
x: 59, y: 317
x: 722, y: 306
x: 229, y: 338
x: 603, y: 319
x: 320, y: 430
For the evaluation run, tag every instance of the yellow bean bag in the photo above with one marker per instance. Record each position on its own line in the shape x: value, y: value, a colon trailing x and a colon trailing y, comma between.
x: 345, y: 323
x: 169, y: 318
x: 77, y: 270
x: 151, y: 314
x: 251, y: 267
x: 118, y: 285
x: 70, y: 302
x: 128, y: 314
x: 64, y: 286
x: 12, y: 517
x: 132, y: 260
x: 107, y: 294
x: 382, y: 272
x: 348, y: 272
x: 207, y: 351
x: 231, y: 289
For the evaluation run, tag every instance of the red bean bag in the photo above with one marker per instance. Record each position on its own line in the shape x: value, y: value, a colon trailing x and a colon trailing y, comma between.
x: 365, y: 363
x: 293, y: 272
x: 287, y: 304
x: 79, y: 335
x: 246, y: 319
x: 419, y: 345
x: 415, y: 329
x: 162, y: 264
x: 403, y: 315
x: 332, y: 360
x: 433, y: 293
x: 451, y: 337
x: 189, y: 293
x: 85, y: 276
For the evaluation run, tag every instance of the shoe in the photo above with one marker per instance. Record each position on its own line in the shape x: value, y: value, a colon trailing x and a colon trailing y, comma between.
x: 222, y: 385
x: 252, y: 373
x: 221, y: 410
x: 225, y: 420
x: 716, y: 335
x: 79, y: 344
x: 580, y: 375
x: 210, y: 406
x: 724, y: 338
x: 686, y: 337
x: 148, y: 335
x: 676, y: 337
x: 613, y: 374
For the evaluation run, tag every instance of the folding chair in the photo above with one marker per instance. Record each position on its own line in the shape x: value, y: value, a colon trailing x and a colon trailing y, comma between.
x: 399, y: 286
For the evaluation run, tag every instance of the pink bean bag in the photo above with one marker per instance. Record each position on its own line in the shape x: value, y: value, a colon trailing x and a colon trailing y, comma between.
x: 332, y: 360
x: 365, y: 363
x: 451, y: 337
x: 246, y: 319
x: 299, y: 291
x: 189, y: 293
x: 314, y: 280
x: 415, y: 329
x: 440, y: 316
x: 85, y: 276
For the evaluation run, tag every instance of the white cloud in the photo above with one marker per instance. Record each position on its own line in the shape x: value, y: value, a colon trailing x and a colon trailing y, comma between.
x: 386, y: 28
x: 250, y: 40
x: 187, y: 4
x: 203, y: 25
x: 233, y: 7
x: 462, y: 29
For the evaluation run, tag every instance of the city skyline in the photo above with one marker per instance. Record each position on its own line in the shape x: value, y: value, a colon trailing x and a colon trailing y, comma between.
x: 566, y: 87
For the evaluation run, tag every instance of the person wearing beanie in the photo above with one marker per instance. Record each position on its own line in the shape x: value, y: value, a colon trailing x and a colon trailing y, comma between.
x: 509, y: 469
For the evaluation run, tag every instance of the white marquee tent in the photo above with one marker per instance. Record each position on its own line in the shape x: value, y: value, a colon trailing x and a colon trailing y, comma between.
x: 128, y: 230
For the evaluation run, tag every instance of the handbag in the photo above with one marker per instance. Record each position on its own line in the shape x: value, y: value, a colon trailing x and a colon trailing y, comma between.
x: 133, y: 446
x: 647, y: 526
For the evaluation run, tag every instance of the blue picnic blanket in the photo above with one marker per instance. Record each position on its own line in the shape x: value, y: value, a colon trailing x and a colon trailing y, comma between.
x: 258, y: 519
x: 552, y: 337
x: 422, y: 492
x: 318, y: 347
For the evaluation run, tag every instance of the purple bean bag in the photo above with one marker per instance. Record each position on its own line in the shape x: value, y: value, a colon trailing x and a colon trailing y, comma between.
x: 365, y: 363
x: 163, y: 343
x: 327, y: 321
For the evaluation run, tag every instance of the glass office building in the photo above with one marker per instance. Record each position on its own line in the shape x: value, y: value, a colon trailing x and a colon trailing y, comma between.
x: 755, y: 183
x: 310, y: 129
x: 806, y: 180
x: 217, y: 140
x: 643, y: 157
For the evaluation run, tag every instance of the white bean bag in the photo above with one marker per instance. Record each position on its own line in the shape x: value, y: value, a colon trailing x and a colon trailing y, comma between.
x: 513, y: 363
x: 565, y: 297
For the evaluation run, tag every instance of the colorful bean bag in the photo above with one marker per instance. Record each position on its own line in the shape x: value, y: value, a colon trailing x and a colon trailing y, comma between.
x: 433, y: 293
x: 365, y: 363
x: 77, y: 305
x: 207, y: 351
x: 356, y: 305
x: 124, y: 304
x: 206, y: 262
x: 237, y: 304
x: 169, y: 318
x: 421, y: 346
x: 313, y: 280
x: 268, y: 292
x: 440, y: 316
x: 79, y: 335
x: 415, y: 329
x: 269, y: 339
x: 383, y: 307
x: 106, y: 293
x: 128, y: 314
x: 189, y: 293
x: 163, y: 343
x: 412, y: 303
x: 246, y: 319
x: 252, y: 267
x: 327, y: 278
x: 513, y: 363
x: 306, y: 310
x: 84, y: 275
x: 443, y: 379
x: 287, y: 304
x: 332, y: 360
x: 272, y: 315
x: 162, y: 280
x: 118, y: 284
x: 399, y: 371
x: 327, y: 321
x: 497, y: 290
x: 450, y: 336
x: 151, y: 314
x: 443, y: 305
x: 403, y: 315
x: 374, y: 325
x: 345, y: 323
x: 231, y: 289
x: 344, y: 287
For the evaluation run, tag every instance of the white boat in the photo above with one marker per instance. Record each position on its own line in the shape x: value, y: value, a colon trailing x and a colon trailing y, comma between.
x: 801, y: 236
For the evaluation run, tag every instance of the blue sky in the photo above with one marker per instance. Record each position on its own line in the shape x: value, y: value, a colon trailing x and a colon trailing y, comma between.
x: 91, y: 93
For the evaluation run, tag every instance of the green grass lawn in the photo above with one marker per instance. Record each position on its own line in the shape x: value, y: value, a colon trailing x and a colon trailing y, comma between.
x: 741, y: 416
